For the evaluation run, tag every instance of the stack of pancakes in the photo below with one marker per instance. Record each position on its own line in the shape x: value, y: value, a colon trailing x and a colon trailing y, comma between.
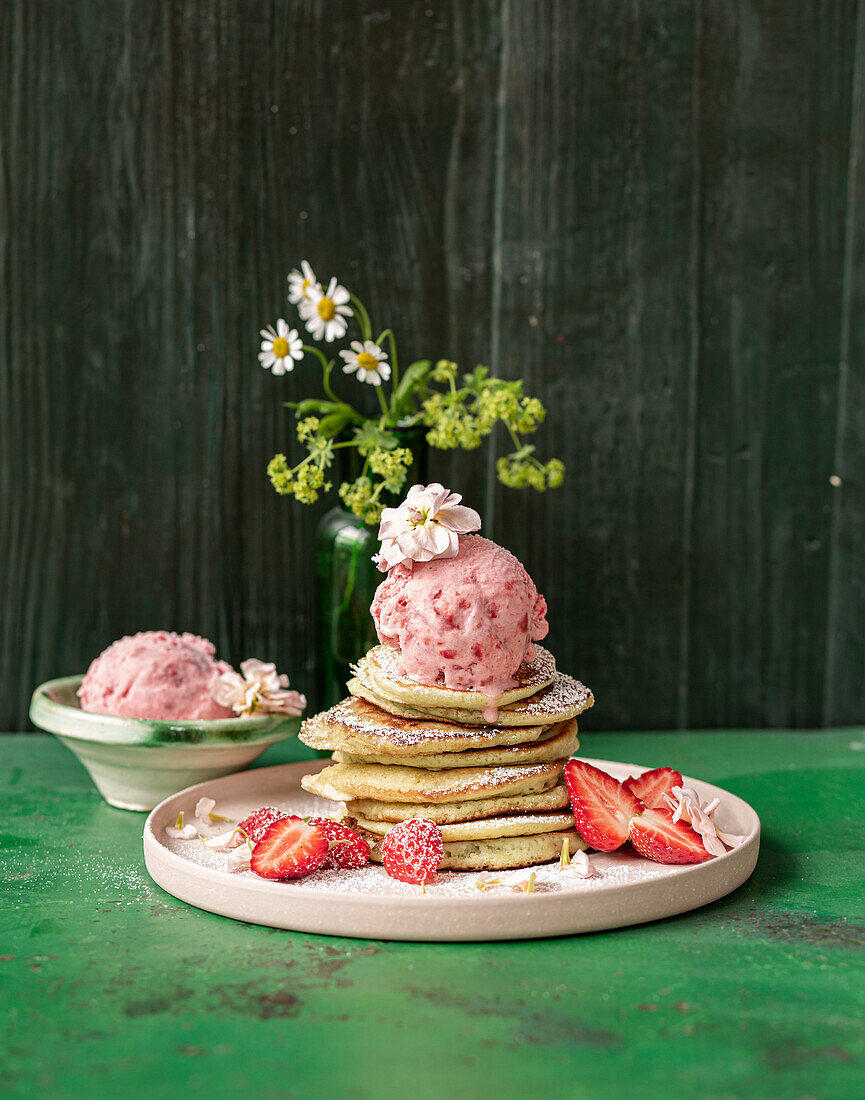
x: 494, y: 787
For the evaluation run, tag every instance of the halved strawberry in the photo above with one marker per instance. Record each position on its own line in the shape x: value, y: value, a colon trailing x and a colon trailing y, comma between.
x: 602, y: 805
x: 656, y: 836
x: 256, y: 824
x: 650, y: 787
x: 347, y: 848
x: 412, y: 850
x: 289, y: 849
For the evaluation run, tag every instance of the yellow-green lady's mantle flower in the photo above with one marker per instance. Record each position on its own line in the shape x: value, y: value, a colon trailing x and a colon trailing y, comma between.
x: 422, y: 399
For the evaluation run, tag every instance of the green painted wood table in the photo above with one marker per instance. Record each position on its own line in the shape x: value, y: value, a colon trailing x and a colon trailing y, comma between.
x: 112, y: 987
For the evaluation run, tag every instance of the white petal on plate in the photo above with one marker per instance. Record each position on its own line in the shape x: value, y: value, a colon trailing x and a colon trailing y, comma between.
x: 204, y: 807
x: 225, y: 841
x: 238, y: 858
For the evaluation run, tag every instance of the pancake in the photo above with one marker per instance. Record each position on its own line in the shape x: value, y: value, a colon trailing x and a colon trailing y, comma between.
x: 490, y: 828
x: 357, y: 726
x: 343, y: 782
x: 444, y: 813
x: 564, y: 698
x: 379, y: 669
x: 499, y: 854
x: 560, y: 742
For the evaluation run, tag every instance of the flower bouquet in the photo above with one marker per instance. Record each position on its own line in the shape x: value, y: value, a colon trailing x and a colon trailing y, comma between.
x: 423, y: 404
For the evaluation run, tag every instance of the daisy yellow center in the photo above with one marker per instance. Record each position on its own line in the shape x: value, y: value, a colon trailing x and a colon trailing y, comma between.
x: 326, y: 309
x: 367, y: 362
x: 280, y: 347
x: 307, y: 283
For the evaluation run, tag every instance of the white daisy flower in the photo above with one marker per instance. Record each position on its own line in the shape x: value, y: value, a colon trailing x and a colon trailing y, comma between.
x: 368, y: 359
x: 281, y: 348
x: 325, y: 311
x: 300, y: 283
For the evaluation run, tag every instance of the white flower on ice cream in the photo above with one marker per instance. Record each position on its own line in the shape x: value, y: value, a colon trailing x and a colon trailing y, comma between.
x: 280, y: 348
x: 300, y: 283
x: 426, y: 526
x: 324, y: 311
x: 368, y: 359
x: 259, y: 690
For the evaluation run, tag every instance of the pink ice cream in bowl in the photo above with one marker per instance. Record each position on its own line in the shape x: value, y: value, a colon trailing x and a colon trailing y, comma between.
x: 157, y: 712
x: 462, y: 611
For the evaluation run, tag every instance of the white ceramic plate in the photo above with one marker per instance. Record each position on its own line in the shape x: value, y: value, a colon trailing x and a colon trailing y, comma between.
x: 367, y: 903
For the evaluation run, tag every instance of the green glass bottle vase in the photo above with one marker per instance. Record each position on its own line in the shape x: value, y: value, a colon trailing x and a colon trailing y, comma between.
x: 347, y: 580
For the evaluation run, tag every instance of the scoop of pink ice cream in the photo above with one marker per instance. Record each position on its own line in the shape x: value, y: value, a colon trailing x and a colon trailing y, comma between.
x: 468, y: 622
x: 155, y: 674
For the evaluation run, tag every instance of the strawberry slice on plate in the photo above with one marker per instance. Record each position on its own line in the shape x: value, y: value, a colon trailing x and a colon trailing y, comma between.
x: 289, y: 848
x: 656, y: 836
x: 347, y: 849
x: 651, y: 786
x: 602, y: 805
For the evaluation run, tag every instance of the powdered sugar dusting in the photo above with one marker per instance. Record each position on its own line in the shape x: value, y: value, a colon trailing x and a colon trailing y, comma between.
x: 365, y: 902
x: 613, y: 868
x: 360, y: 717
x: 395, y: 783
x: 563, y: 694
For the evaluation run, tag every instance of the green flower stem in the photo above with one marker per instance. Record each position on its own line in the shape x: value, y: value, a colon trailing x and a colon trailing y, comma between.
x: 328, y: 389
x: 316, y: 352
x: 362, y: 317
x: 327, y: 367
x: 350, y: 581
x: 384, y: 409
x: 394, y: 362
x: 516, y: 439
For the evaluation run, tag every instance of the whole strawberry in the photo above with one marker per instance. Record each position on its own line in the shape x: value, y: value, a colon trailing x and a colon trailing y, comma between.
x: 413, y: 850
x: 259, y: 821
x: 289, y: 849
x: 347, y: 849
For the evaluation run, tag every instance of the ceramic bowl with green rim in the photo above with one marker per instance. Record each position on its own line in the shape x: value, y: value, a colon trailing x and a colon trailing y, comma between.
x: 137, y: 762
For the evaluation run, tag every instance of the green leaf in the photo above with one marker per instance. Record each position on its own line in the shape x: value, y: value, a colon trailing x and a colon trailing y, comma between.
x: 334, y: 423
x: 411, y: 379
x: 371, y: 435
x: 476, y: 379
x: 313, y: 406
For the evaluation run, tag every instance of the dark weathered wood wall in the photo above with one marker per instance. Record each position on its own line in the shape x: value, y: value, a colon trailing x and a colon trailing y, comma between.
x: 655, y: 212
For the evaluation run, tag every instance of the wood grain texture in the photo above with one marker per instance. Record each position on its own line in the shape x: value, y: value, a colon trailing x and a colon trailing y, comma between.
x: 774, y: 155
x: 651, y: 212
